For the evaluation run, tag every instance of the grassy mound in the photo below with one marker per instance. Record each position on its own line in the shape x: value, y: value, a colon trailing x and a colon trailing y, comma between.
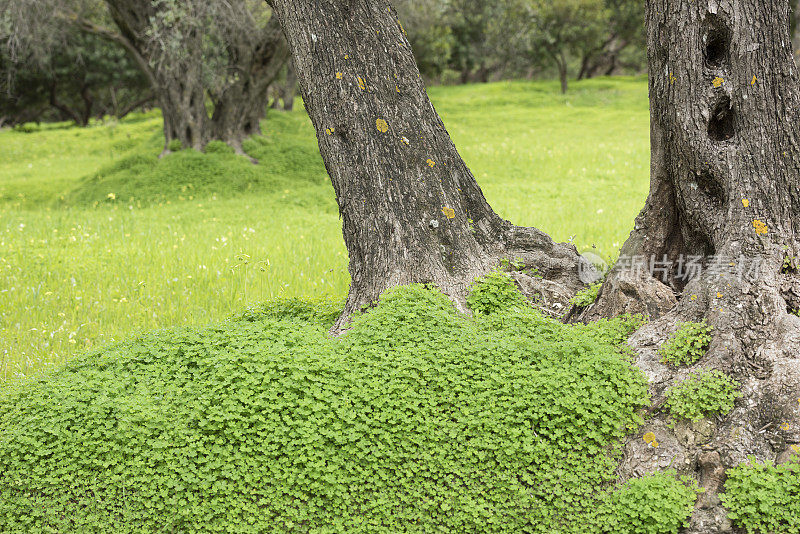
x: 289, y: 159
x: 417, y: 419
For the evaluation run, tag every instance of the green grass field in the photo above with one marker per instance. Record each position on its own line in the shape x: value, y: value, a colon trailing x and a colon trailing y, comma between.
x: 99, y: 240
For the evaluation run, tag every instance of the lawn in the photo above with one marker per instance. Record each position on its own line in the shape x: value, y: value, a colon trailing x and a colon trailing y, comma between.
x: 99, y: 240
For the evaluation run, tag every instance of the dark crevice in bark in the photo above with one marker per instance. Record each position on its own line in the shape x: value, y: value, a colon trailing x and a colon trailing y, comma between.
x: 721, y: 125
x: 717, y: 38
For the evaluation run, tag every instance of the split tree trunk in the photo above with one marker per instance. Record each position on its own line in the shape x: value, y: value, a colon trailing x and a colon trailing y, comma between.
x: 239, y: 109
x: 180, y: 89
x: 411, y: 209
x: 725, y: 195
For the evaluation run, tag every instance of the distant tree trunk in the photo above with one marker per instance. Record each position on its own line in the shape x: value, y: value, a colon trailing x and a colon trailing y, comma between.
x: 724, y: 196
x: 180, y: 91
x: 283, y: 93
x: 67, y: 111
x: 561, y: 63
x: 239, y: 109
x: 290, y: 88
x: 411, y: 210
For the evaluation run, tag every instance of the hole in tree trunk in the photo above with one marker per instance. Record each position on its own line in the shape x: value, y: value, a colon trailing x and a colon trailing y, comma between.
x: 720, y: 126
x: 717, y: 39
x: 710, y: 187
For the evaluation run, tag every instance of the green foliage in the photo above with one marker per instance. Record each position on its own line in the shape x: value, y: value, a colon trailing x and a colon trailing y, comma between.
x: 764, y: 497
x: 83, y: 77
x: 142, y: 178
x: 417, y: 418
x: 494, y: 292
x: 688, y: 344
x: 321, y: 310
x: 172, y: 257
x: 654, y: 504
x: 175, y: 145
x: 587, y: 296
x: 702, y: 394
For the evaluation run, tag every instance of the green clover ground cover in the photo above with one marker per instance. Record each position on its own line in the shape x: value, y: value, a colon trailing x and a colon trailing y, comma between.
x: 417, y: 419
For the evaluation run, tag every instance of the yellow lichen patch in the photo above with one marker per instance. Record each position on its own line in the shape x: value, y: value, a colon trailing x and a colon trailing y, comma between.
x: 719, y: 295
x: 330, y: 131
x: 717, y: 82
x: 430, y: 162
x: 397, y: 88
x: 745, y: 203
x: 339, y: 75
x: 754, y: 80
x: 405, y: 141
x: 654, y: 444
x: 347, y: 56
x: 693, y: 297
x: 382, y: 125
x: 450, y: 213
x: 362, y: 83
x: 786, y: 426
x: 649, y: 437
x: 760, y: 227
x: 672, y: 78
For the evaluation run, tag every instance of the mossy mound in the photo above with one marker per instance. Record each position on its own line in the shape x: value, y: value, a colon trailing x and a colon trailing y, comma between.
x: 287, y: 158
x: 417, y: 419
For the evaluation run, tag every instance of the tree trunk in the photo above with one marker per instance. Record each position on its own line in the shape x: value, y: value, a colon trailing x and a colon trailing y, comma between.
x: 290, y: 88
x: 562, y: 73
x: 411, y: 210
x: 724, y: 198
x: 240, y: 107
x: 180, y: 90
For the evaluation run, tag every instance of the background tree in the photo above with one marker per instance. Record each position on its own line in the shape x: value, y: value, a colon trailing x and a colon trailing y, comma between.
x: 724, y: 197
x: 411, y: 209
x: 87, y: 77
x: 623, y: 43
x: 431, y: 36
x: 197, y: 56
x: 228, y: 51
x: 556, y: 32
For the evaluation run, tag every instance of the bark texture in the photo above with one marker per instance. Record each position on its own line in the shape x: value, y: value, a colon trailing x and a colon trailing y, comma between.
x: 724, y: 193
x: 411, y: 209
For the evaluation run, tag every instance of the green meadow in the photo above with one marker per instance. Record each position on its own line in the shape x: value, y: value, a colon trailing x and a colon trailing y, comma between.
x: 100, y: 240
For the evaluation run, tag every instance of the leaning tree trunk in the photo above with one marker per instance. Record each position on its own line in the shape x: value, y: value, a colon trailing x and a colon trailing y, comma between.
x: 718, y: 236
x: 411, y: 209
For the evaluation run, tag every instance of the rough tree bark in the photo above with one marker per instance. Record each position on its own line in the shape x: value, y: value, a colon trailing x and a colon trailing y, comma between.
x: 725, y: 195
x: 181, y: 93
x: 411, y: 209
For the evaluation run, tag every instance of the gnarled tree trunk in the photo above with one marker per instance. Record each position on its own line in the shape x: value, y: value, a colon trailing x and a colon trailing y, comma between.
x: 178, y: 78
x: 411, y: 209
x: 724, y: 203
x: 240, y: 107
